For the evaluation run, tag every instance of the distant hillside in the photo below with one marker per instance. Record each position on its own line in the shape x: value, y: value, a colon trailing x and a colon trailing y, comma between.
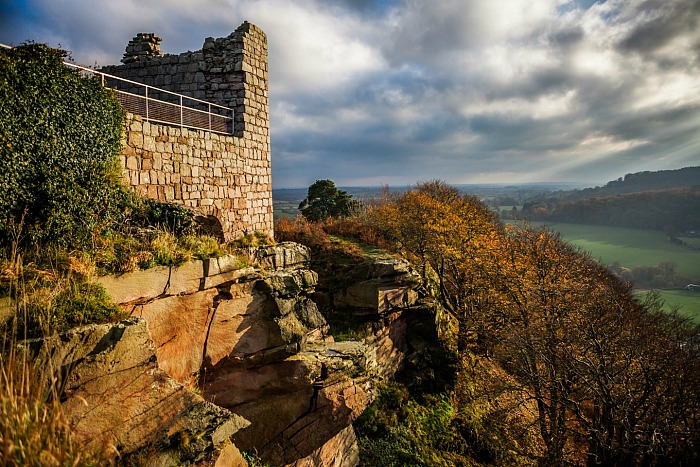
x: 687, y: 177
x: 665, y: 200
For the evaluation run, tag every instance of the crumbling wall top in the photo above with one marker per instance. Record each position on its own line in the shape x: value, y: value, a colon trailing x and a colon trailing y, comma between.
x: 143, y: 46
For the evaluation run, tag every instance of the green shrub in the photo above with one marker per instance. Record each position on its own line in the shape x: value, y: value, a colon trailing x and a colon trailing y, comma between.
x: 170, y: 217
x: 60, y: 135
x: 65, y: 305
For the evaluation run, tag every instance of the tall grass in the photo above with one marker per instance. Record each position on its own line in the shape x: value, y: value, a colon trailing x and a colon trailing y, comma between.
x: 33, y: 429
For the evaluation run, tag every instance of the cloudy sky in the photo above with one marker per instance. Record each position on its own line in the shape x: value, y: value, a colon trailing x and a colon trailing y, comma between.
x: 369, y: 92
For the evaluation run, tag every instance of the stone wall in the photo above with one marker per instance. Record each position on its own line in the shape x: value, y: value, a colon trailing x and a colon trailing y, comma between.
x: 217, y: 176
x: 226, y: 177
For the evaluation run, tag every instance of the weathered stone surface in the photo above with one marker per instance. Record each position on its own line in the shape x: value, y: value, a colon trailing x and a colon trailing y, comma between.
x: 382, y: 268
x: 379, y: 295
x: 274, y: 395
x: 208, y: 311
x: 230, y: 456
x: 299, y: 318
x: 115, y: 397
x: 389, y: 341
x: 178, y: 326
x: 380, y: 286
x: 137, y: 285
x: 160, y: 281
x: 339, y: 451
x: 285, y: 255
x: 242, y: 325
x: 291, y: 283
x: 299, y: 404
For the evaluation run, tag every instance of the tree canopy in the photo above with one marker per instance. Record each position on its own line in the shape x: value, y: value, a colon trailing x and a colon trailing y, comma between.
x: 324, y: 200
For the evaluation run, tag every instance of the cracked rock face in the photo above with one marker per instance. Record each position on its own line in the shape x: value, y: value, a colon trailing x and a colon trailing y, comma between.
x: 256, y: 344
x: 300, y: 404
x: 117, y: 399
x: 236, y: 324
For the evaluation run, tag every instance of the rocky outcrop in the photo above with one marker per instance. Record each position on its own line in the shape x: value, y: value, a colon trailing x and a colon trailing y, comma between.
x: 215, y: 311
x: 253, y: 341
x: 379, y: 286
x: 116, y: 398
x: 299, y: 403
x: 285, y: 255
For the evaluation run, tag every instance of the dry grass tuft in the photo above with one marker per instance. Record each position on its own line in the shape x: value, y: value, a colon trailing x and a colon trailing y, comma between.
x: 33, y: 429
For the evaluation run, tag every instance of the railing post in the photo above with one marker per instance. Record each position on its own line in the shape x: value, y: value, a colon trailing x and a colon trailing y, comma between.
x: 182, y: 121
x: 146, y: 102
x: 209, y: 112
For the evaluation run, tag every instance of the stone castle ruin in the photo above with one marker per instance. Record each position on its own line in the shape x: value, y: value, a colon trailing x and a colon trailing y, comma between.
x: 225, y: 176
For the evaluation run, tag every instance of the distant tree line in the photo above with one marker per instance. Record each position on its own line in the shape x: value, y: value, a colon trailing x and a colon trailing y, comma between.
x: 687, y: 177
x: 670, y: 210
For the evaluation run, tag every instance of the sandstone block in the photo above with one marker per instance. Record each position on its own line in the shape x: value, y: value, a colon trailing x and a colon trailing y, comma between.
x: 116, y: 398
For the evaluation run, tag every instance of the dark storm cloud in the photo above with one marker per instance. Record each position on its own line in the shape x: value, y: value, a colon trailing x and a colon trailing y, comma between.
x: 364, y: 6
x: 667, y: 20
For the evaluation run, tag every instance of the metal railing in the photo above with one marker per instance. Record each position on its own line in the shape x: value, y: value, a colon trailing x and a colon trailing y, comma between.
x: 161, y: 106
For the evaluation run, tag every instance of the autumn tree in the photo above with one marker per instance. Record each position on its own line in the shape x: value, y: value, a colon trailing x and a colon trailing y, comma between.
x: 611, y: 380
x: 604, y: 369
x: 450, y: 236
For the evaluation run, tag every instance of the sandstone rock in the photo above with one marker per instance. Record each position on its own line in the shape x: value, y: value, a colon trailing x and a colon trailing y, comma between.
x: 274, y: 395
x: 381, y: 268
x: 242, y: 324
x: 284, y: 255
x: 116, y: 398
x: 230, y: 456
x: 339, y: 451
x: 178, y: 326
x: 377, y: 295
x: 244, y: 320
x: 299, y: 404
x: 389, y: 341
x: 380, y: 286
x: 137, y: 285
x: 291, y: 283
x: 142, y: 286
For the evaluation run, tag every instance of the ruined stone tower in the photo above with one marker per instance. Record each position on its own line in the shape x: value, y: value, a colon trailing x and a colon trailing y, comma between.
x: 225, y: 178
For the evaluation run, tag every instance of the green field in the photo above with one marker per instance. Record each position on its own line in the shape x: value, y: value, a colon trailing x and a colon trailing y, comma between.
x: 635, y: 247
x: 689, y: 302
x: 631, y: 247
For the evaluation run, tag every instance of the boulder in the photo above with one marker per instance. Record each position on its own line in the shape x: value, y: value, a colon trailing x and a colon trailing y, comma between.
x: 339, y: 451
x: 284, y: 255
x: 117, y: 399
x: 379, y: 286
